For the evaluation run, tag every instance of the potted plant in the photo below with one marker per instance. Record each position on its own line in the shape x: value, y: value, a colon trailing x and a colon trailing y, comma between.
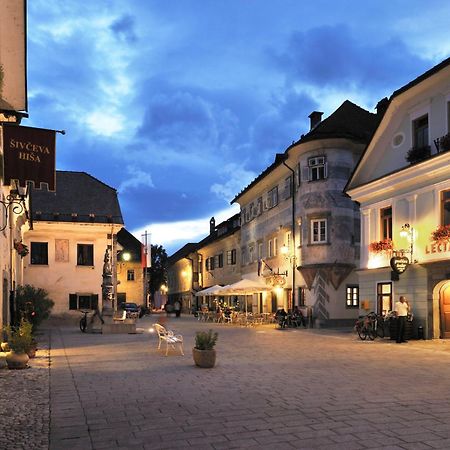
x: 203, y: 352
x: 418, y: 154
x: 21, y: 248
x: 444, y: 143
x: 20, y: 341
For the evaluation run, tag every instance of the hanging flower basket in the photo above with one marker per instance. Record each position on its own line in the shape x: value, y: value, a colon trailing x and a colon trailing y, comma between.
x: 21, y: 248
x: 385, y: 245
x: 442, y: 233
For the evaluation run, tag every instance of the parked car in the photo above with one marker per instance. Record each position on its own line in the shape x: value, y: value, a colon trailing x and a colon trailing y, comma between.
x: 130, y: 308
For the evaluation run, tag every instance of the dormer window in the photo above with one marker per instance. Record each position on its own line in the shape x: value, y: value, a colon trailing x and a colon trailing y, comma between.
x: 317, y: 168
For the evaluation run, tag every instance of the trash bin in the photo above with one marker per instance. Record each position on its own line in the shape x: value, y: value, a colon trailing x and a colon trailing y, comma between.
x: 420, y: 333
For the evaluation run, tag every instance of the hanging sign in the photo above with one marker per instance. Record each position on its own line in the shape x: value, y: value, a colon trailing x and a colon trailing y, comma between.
x: 399, y: 264
x: 29, y: 155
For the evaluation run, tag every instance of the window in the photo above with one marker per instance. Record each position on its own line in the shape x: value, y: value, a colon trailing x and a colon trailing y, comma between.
x: 317, y: 168
x: 319, y: 231
x: 231, y: 257
x: 260, y: 250
x: 210, y: 263
x: 270, y: 248
x: 386, y: 223
x: 420, y: 132
x: 130, y: 275
x: 275, y: 246
x: 445, y: 207
x: 83, y: 301
x: 301, y: 296
x: 39, y: 253
x: 218, y: 260
x: 352, y: 300
x: 288, y: 187
x: 85, y: 255
x: 384, y: 298
x: 272, y: 197
x: 251, y: 254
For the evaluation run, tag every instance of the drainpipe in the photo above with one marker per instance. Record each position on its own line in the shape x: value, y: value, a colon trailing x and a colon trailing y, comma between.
x: 293, y: 268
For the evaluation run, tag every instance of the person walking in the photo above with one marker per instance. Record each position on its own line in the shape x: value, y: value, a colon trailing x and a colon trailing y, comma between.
x: 402, y: 310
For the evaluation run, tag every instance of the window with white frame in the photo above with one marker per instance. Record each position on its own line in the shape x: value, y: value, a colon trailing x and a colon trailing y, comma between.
x: 260, y: 250
x: 319, y: 231
x: 275, y: 246
x: 317, y: 167
x: 130, y: 275
x: 251, y: 253
x: 420, y: 132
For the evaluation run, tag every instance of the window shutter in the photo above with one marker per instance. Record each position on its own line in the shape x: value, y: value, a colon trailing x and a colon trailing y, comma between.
x: 325, y: 170
x: 94, y: 301
x: 305, y: 173
x: 73, y: 301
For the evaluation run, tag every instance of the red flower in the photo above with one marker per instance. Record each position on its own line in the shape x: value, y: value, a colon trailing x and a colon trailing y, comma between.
x: 442, y: 233
x: 381, y: 246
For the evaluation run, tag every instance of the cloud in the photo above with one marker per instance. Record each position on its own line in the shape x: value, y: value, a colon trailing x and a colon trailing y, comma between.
x: 172, y: 235
x: 237, y: 178
x: 137, y: 178
x: 123, y: 28
x: 331, y: 56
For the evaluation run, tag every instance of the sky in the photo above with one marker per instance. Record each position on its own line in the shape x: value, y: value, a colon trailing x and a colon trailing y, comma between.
x: 180, y: 104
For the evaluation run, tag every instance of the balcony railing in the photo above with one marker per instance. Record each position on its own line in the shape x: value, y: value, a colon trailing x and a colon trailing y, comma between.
x: 443, y: 143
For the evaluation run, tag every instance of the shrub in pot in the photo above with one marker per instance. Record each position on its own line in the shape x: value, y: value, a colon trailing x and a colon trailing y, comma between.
x: 20, y: 341
x: 203, y: 352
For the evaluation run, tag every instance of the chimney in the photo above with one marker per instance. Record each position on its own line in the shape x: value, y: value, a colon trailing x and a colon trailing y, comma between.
x: 212, y: 225
x: 316, y: 118
x: 382, y: 106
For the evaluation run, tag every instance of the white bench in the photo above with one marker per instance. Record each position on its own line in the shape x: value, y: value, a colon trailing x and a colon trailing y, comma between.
x: 169, y: 338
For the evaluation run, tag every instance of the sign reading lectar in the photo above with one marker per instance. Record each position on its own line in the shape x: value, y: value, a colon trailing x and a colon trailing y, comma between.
x: 399, y: 264
x: 29, y: 155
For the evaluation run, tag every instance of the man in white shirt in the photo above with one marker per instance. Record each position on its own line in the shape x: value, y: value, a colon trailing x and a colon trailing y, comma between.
x: 402, y: 309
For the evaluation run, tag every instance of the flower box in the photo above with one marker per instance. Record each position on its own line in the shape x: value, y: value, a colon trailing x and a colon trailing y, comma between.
x: 442, y: 233
x: 385, y: 245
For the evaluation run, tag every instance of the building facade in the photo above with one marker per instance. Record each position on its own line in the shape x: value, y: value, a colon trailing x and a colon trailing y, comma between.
x: 403, y: 185
x: 72, y: 229
x: 298, y: 229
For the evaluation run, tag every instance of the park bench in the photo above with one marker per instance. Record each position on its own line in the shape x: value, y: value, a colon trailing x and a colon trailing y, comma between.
x: 169, y: 338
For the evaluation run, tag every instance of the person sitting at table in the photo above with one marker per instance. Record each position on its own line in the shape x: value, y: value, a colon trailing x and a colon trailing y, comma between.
x: 281, y: 316
x: 298, y: 317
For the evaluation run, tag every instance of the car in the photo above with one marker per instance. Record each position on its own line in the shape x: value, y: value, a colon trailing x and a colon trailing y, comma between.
x: 130, y: 308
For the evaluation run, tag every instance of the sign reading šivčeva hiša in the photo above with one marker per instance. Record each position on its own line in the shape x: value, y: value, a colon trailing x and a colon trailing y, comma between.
x: 29, y: 155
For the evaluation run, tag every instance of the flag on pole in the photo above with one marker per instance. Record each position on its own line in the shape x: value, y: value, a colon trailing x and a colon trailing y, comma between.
x: 146, y: 252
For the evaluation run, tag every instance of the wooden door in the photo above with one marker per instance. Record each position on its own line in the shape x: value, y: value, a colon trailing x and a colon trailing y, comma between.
x: 444, y: 301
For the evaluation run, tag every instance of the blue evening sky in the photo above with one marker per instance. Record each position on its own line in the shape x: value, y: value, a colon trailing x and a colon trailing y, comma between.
x: 179, y: 104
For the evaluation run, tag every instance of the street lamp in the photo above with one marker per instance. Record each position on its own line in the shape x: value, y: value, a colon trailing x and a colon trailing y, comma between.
x: 407, y: 231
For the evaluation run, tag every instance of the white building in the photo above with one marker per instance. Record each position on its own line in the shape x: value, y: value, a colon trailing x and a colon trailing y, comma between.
x: 298, y: 229
x: 403, y: 183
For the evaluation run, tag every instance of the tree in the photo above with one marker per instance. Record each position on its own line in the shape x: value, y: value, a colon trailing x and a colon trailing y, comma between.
x: 33, y: 304
x: 158, y: 271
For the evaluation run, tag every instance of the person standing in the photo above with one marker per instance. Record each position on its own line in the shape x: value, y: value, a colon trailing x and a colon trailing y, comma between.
x: 402, y: 310
x: 177, y: 308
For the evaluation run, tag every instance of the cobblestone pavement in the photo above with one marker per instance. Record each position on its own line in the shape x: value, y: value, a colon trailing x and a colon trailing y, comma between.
x: 270, y: 389
x: 24, y: 402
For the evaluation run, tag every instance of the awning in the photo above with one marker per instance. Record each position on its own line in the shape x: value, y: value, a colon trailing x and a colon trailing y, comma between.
x: 213, y: 290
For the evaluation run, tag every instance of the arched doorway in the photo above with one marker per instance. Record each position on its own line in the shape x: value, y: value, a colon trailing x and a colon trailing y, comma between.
x: 444, y: 308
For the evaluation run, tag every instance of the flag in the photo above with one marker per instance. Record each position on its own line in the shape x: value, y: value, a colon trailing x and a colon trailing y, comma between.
x: 146, y: 256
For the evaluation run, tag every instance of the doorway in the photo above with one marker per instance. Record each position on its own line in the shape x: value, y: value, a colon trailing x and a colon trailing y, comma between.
x: 444, y: 306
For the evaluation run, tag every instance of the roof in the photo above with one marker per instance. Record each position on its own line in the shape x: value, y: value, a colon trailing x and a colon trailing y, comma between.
x: 422, y: 77
x: 349, y: 121
x: 184, y: 251
x: 130, y: 244
x: 79, y: 197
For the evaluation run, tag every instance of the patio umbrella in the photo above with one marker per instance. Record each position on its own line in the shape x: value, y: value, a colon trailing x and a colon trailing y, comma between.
x: 245, y: 287
x: 212, y: 290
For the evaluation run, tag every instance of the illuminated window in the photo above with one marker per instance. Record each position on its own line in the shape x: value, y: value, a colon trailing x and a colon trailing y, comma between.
x: 352, y: 300
x: 386, y: 223
x: 384, y: 298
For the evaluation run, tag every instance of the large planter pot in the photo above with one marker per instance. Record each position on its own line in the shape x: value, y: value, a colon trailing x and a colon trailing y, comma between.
x: 204, y: 358
x: 17, y: 360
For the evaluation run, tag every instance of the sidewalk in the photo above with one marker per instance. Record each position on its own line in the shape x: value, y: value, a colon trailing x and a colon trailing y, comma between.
x: 270, y: 389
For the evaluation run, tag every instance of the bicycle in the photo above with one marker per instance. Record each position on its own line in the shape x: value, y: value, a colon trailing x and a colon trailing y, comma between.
x: 365, y: 328
x: 378, y: 324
